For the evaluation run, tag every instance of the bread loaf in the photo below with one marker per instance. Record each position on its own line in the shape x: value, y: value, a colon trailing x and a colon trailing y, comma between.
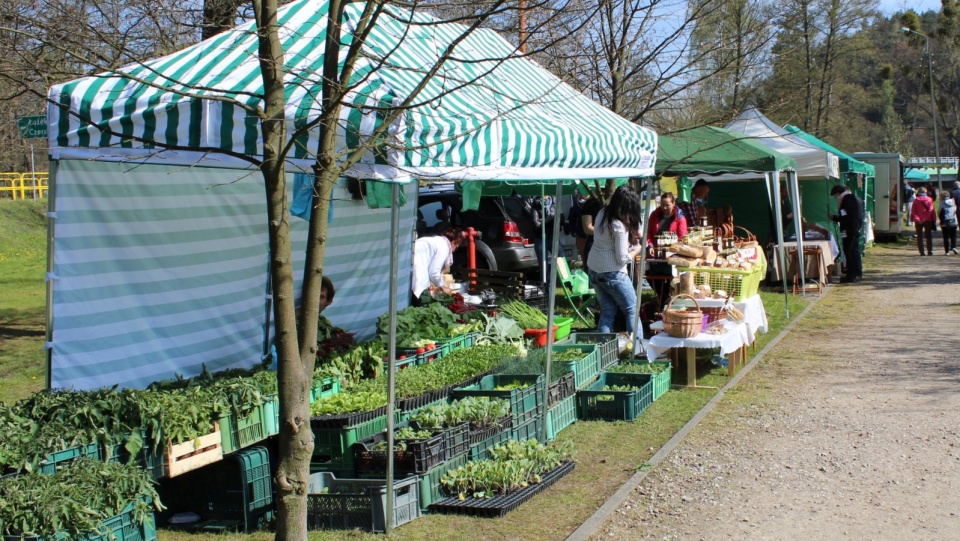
x: 686, y: 250
x: 681, y: 261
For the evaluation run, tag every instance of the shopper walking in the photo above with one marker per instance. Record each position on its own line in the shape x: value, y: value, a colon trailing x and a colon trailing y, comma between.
x: 948, y: 223
x: 924, y: 220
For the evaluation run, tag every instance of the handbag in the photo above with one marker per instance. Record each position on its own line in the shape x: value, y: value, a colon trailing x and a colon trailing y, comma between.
x: 749, y: 241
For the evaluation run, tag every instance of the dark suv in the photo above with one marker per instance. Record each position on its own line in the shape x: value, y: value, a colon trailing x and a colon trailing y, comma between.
x: 501, y: 222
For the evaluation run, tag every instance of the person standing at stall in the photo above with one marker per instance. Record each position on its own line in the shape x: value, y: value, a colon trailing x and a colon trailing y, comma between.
x: 850, y: 217
x: 924, y: 219
x: 588, y: 218
x: 616, y: 242
x: 431, y: 255
x: 667, y: 218
x: 696, y: 208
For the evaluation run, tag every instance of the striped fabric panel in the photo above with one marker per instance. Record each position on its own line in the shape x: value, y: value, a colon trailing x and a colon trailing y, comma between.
x: 511, y: 114
x: 162, y: 269
x: 159, y: 270
x: 357, y: 259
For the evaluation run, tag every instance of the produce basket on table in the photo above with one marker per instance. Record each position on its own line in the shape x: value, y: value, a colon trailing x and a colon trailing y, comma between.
x: 738, y: 284
x: 682, y: 322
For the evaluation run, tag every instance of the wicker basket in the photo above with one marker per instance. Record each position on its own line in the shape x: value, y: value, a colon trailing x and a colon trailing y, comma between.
x: 682, y: 323
x: 714, y: 313
x: 744, y: 242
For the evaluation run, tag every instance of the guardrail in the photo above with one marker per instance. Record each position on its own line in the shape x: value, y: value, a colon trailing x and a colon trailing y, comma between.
x: 943, y: 160
x: 22, y: 185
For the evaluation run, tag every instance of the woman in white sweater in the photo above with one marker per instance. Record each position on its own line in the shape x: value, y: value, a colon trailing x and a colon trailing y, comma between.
x: 431, y: 255
x: 616, y: 242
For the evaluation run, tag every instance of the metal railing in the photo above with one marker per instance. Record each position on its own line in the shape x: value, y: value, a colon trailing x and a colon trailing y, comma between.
x: 23, y: 185
x: 943, y: 160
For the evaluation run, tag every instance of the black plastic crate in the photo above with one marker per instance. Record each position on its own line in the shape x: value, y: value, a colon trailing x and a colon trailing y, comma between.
x: 456, y: 439
x: 560, y: 389
x: 346, y: 419
x: 346, y: 504
x: 419, y: 456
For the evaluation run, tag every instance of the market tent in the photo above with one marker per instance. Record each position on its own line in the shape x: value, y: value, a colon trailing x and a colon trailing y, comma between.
x: 488, y: 114
x: 816, y: 168
x: 915, y: 174
x: 159, y: 260
x: 812, y: 162
x: 710, y: 150
x: 857, y: 175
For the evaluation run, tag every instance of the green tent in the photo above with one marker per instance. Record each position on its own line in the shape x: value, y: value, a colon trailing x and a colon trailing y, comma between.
x: 710, y: 150
x: 857, y: 175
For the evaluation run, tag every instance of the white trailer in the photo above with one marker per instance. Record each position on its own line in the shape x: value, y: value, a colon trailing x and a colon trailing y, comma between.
x: 887, y: 193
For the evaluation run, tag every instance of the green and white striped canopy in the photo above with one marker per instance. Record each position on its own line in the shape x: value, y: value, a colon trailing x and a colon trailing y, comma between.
x: 487, y: 114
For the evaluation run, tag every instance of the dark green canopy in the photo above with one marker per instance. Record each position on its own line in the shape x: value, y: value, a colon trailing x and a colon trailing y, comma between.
x: 848, y: 164
x: 710, y: 150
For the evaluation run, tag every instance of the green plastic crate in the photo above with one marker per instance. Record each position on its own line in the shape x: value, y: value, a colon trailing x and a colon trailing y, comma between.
x: 332, y: 447
x: 405, y: 415
x: 596, y: 403
x: 323, y: 388
x: 606, y: 342
x: 522, y: 401
x: 561, y: 416
x: 532, y: 429
x: 480, y: 451
x: 661, y: 380
x: 346, y: 504
x: 271, y: 415
x: 587, y: 368
x: 449, y: 345
x: 430, y: 488
x: 59, y: 458
x: 235, y: 434
x: 243, y: 491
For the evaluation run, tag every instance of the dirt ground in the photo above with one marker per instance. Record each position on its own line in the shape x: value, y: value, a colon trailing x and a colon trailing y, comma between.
x: 848, y: 429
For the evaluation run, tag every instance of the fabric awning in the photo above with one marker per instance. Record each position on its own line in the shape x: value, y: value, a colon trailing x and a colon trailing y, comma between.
x: 710, y: 150
x: 848, y: 164
x: 813, y: 162
x: 488, y: 114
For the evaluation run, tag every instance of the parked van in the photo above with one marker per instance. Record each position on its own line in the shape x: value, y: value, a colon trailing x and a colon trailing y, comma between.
x: 887, y: 193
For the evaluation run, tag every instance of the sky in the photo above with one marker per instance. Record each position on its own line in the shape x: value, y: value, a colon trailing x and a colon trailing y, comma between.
x: 919, y: 6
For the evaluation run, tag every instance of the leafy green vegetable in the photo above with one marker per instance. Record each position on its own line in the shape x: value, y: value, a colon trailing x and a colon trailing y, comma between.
x: 526, y: 316
x: 512, y: 466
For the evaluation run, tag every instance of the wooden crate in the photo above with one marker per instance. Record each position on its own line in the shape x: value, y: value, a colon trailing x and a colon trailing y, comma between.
x: 190, y: 455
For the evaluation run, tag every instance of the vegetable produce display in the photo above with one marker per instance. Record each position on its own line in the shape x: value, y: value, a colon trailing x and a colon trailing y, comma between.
x: 526, y: 316
x: 615, y: 388
x: 357, y: 400
x: 75, y: 500
x: 638, y: 368
x: 360, y: 361
x: 432, y: 321
x: 478, y: 411
x: 512, y: 465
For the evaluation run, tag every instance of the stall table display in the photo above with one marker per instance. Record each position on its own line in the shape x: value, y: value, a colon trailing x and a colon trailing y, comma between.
x: 732, y: 344
x: 754, y: 315
x: 816, y: 266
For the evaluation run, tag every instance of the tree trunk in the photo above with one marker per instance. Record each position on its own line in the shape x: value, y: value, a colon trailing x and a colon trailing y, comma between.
x: 293, y: 381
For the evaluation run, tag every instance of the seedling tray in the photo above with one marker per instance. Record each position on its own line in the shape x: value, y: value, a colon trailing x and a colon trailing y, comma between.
x: 499, y: 506
x: 477, y: 435
x: 561, y: 389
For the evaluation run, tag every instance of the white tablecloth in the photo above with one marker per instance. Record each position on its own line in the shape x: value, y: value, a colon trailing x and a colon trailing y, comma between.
x: 728, y: 342
x: 754, y: 314
x: 828, y: 250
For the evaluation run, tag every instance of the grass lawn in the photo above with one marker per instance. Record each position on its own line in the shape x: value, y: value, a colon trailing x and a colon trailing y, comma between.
x: 607, y: 453
x: 23, y: 263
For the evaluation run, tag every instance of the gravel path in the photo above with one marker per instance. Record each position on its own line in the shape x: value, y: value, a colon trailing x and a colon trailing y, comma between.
x: 848, y: 429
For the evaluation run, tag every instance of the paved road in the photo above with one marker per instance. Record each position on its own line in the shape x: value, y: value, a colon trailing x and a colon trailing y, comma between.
x: 848, y: 429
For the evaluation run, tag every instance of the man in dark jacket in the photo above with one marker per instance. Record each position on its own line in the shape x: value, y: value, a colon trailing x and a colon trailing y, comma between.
x: 850, y: 217
x: 955, y: 193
